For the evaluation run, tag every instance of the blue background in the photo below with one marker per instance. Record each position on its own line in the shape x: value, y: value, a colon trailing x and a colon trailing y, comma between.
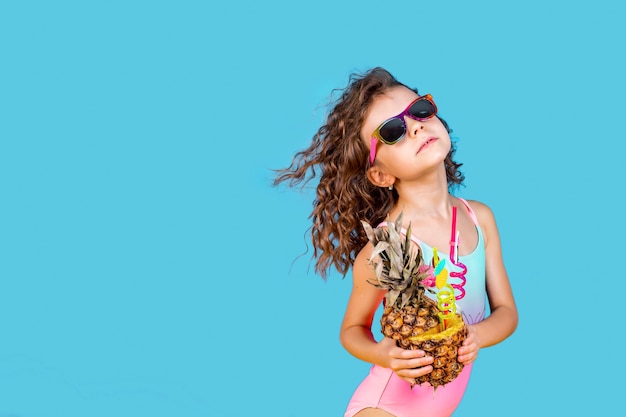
x: 148, y: 267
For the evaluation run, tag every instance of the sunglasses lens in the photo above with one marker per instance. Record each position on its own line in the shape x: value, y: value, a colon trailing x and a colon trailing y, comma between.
x: 392, y: 131
x: 422, y: 109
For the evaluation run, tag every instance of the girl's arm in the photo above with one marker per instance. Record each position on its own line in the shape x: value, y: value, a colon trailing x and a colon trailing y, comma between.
x: 502, y: 321
x: 356, y: 330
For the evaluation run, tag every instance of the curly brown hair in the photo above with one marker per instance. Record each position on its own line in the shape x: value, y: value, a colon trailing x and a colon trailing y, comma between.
x: 344, y: 194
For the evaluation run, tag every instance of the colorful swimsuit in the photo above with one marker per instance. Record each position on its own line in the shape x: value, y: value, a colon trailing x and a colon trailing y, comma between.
x: 383, y: 389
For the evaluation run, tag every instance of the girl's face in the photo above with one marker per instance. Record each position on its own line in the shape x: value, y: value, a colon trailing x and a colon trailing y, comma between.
x: 426, y: 142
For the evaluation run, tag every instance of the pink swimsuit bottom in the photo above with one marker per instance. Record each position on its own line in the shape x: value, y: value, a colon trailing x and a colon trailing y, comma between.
x: 385, y: 390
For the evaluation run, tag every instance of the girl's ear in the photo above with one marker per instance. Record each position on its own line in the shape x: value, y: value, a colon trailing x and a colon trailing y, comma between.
x: 379, y: 177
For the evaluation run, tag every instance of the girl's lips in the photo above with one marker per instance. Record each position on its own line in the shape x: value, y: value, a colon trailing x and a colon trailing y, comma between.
x: 426, y: 143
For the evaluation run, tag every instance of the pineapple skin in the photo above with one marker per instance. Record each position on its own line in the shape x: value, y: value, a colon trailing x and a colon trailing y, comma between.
x: 416, y: 327
x: 414, y: 319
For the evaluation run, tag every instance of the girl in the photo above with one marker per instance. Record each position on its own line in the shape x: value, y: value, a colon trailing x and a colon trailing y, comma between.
x: 383, y: 151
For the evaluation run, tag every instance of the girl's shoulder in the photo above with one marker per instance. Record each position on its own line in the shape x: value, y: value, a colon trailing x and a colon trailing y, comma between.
x: 486, y: 220
x: 482, y: 210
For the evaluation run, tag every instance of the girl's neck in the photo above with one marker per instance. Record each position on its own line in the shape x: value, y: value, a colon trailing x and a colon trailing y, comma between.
x: 429, y: 199
x: 436, y: 202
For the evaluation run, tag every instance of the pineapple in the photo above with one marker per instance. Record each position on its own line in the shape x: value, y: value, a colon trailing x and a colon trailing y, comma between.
x: 410, y: 317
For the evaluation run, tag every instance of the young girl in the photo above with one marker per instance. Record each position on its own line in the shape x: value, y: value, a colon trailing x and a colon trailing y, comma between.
x: 383, y: 151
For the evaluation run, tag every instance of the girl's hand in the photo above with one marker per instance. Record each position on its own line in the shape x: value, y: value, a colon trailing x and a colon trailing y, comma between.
x: 407, y: 364
x: 469, y: 350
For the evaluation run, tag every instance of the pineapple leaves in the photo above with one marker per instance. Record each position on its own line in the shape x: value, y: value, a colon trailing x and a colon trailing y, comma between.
x: 381, y: 249
x: 396, y: 261
x: 369, y: 231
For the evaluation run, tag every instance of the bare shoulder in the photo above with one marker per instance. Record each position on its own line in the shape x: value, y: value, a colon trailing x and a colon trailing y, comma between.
x: 365, y: 297
x: 363, y: 273
x: 362, y: 267
x: 486, y: 220
x: 483, y: 212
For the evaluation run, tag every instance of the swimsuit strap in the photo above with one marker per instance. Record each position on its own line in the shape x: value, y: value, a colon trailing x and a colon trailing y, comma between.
x: 469, y: 209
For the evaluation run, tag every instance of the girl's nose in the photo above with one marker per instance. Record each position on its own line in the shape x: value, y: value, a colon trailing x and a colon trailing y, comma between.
x: 413, y: 127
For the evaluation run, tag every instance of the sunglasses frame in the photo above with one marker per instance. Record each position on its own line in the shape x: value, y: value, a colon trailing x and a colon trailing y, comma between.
x: 376, y: 136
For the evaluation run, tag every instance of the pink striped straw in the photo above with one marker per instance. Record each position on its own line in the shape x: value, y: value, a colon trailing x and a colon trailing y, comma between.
x: 453, y: 242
